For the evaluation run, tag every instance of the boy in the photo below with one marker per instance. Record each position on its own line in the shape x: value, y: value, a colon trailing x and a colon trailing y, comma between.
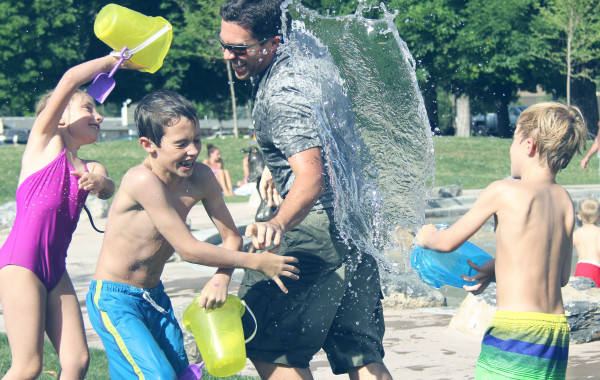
x: 529, y: 335
x: 587, y: 241
x: 126, y: 303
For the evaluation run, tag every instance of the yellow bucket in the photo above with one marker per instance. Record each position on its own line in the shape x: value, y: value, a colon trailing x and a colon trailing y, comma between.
x: 219, y: 335
x: 147, y: 38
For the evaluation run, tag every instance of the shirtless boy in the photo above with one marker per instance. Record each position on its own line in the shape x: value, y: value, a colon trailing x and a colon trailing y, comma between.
x: 586, y: 240
x: 126, y: 302
x: 529, y: 335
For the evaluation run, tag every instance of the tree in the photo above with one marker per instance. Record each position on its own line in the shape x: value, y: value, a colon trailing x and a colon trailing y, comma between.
x: 492, y: 53
x: 568, y: 35
x: 429, y: 29
x: 38, y: 41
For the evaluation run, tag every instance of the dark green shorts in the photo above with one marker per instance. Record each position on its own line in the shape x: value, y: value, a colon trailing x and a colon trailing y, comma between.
x: 336, y: 304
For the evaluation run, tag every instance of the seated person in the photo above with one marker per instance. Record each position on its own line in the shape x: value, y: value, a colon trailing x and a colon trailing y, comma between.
x: 586, y: 240
x: 215, y: 163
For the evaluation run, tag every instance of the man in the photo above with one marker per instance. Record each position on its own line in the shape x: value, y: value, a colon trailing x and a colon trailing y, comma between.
x: 336, y: 303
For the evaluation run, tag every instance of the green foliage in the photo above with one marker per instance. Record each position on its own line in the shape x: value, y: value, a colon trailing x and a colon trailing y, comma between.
x: 38, y: 39
x: 566, y: 33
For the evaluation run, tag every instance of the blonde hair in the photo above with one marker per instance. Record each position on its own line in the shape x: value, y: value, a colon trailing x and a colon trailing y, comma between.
x: 41, y: 104
x: 589, y: 210
x: 558, y: 131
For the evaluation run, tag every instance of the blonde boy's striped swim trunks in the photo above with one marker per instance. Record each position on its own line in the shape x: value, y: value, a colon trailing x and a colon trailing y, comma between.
x: 524, y: 345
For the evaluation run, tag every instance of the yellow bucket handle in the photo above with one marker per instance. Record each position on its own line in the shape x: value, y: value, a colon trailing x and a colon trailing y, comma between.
x: 154, y: 37
x: 255, y: 323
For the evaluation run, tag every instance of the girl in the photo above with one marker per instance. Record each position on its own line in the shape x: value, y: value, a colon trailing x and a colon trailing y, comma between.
x: 215, y: 163
x: 36, y: 292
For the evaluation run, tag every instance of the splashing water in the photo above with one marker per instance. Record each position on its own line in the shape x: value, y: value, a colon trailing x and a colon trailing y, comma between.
x: 376, y: 134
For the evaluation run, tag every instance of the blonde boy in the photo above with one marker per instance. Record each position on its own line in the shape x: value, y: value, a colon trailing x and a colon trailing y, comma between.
x: 126, y: 302
x: 587, y: 241
x: 529, y: 335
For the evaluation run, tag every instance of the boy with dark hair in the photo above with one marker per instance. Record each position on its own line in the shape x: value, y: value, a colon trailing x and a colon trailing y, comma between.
x: 126, y: 302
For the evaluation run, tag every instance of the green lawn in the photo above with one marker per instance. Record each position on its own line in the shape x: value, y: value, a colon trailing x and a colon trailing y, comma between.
x: 98, y: 369
x: 471, y: 162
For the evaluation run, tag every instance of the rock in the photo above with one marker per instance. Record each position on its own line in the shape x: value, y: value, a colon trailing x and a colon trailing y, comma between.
x: 98, y: 207
x: 475, y: 313
x: 407, y: 291
x: 8, y: 212
x: 581, y: 301
x: 449, y: 191
x: 582, y: 307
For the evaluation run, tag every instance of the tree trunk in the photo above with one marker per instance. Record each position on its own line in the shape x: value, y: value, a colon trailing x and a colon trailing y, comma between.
x: 502, y: 116
x: 431, y: 106
x: 583, y: 95
x: 233, y: 105
x: 463, y: 116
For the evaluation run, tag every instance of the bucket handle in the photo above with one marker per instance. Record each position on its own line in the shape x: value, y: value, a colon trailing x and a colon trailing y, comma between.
x: 144, y: 44
x: 255, y: 323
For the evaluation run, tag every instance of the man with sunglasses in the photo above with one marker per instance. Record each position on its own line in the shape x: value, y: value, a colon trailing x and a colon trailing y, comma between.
x: 336, y: 303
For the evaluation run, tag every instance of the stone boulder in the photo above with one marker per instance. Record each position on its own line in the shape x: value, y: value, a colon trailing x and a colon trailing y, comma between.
x: 449, y: 191
x: 407, y: 291
x: 582, y: 308
x: 8, y: 212
x: 98, y: 207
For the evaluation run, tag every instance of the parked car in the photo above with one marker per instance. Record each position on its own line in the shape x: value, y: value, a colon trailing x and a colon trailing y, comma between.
x: 14, y: 135
x: 126, y: 137
x: 487, y: 125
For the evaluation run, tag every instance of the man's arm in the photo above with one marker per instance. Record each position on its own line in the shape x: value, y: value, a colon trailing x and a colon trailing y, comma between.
x: 308, y: 186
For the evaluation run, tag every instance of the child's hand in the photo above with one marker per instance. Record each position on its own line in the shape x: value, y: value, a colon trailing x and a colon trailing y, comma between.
x: 98, y: 184
x: 486, y: 273
x: 214, y: 293
x: 424, y: 233
x: 275, y: 266
x: 89, y: 181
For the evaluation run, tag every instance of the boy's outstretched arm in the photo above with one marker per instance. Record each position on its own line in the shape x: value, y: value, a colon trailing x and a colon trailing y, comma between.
x: 449, y: 239
x: 146, y: 189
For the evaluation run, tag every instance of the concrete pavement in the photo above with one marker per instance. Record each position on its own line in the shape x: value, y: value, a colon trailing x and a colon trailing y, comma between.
x: 418, y: 343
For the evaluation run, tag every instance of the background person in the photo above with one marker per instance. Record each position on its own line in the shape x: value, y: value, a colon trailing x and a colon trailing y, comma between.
x: 586, y: 240
x: 215, y: 163
x: 593, y: 149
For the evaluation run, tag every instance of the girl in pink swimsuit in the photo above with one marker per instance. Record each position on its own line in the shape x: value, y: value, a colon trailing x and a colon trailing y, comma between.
x: 36, y: 292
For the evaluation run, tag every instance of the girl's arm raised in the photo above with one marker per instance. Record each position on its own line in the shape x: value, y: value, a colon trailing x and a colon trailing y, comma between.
x: 45, y: 126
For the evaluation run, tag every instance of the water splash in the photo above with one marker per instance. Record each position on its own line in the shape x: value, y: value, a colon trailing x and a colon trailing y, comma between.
x: 377, y: 138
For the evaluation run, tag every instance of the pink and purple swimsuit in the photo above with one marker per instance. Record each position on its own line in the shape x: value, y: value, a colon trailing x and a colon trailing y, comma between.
x: 48, y: 206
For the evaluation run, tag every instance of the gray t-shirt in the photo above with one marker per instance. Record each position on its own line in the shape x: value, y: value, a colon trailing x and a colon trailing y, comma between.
x: 285, y: 123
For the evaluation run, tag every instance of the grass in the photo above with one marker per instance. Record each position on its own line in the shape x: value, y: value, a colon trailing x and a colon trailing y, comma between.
x: 118, y: 157
x: 472, y: 163
x: 475, y: 162
x: 98, y: 369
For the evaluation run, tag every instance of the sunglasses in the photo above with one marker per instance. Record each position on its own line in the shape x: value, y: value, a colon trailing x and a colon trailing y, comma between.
x: 239, y: 49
